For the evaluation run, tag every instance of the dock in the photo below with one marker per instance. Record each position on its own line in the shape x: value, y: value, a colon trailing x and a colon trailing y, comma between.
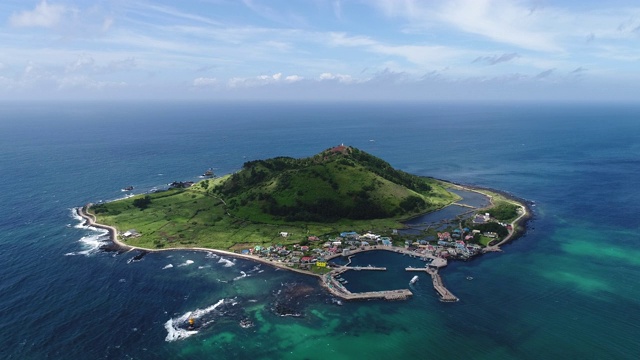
x: 445, y: 294
x: 337, y: 289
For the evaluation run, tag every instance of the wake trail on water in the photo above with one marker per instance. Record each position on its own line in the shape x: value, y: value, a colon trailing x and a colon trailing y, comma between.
x: 178, y: 328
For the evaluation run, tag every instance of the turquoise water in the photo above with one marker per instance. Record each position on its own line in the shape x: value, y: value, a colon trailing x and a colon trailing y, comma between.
x: 567, y: 289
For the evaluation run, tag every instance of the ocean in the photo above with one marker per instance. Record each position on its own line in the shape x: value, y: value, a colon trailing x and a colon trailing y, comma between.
x: 567, y: 289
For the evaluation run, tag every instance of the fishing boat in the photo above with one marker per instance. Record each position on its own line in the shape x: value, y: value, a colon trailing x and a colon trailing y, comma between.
x: 128, y: 188
x: 208, y: 173
x: 413, y: 280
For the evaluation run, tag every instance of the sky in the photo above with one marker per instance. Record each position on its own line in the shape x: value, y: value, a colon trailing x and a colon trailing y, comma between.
x: 360, y: 50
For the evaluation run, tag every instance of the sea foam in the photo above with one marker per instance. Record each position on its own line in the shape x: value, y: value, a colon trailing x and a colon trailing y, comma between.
x: 226, y: 262
x: 173, y: 325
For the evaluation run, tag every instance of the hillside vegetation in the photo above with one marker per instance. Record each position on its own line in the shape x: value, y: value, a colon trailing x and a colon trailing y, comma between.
x: 339, y: 189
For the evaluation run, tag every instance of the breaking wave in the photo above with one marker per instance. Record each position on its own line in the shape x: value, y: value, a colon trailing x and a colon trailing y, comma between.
x: 226, y: 262
x: 90, y: 243
x: 178, y: 328
x: 244, y: 275
x: 186, y: 263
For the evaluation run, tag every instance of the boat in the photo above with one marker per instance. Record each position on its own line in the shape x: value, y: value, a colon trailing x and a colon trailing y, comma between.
x: 128, y: 188
x: 208, y: 173
x: 469, y: 277
x: 413, y: 280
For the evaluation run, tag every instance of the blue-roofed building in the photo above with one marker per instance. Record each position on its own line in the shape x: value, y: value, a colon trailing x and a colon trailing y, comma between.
x: 348, y: 234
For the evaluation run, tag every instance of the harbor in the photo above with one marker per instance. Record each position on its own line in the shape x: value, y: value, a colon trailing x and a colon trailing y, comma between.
x: 333, y: 282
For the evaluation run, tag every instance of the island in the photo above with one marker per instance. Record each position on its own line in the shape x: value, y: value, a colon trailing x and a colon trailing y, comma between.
x: 300, y: 214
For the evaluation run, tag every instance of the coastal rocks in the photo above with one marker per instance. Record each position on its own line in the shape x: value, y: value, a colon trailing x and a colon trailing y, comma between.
x: 138, y: 256
x: 290, y: 299
x: 110, y: 246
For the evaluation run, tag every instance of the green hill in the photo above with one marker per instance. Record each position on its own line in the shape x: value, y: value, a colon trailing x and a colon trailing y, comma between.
x: 338, y: 183
x: 339, y: 189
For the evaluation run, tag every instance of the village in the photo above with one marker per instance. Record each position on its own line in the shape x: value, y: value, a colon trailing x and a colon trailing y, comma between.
x: 459, y: 243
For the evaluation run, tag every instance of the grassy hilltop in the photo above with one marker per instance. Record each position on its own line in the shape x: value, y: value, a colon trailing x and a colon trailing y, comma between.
x: 339, y: 189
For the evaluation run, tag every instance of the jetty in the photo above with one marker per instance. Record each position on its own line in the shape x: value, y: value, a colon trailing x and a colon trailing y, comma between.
x: 337, y: 289
x: 445, y: 294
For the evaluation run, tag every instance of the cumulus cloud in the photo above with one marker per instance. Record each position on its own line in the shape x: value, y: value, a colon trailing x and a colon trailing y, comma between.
x: 44, y: 15
x: 293, y: 78
x: 336, y: 77
x: 496, y: 59
x: 254, y: 81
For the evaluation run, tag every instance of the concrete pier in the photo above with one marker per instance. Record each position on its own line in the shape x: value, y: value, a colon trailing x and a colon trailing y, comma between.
x: 445, y: 295
x: 337, y: 289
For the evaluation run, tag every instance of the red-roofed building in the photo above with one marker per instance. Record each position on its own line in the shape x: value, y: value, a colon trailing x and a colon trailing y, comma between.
x: 340, y: 148
x: 306, y: 259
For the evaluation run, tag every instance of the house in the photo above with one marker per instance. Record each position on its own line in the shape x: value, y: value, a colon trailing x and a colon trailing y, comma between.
x: 284, y: 234
x: 313, y: 238
x: 479, y: 219
x: 386, y: 242
x: 371, y: 236
x: 306, y: 259
x: 348, y: 234
x: 131, y: 233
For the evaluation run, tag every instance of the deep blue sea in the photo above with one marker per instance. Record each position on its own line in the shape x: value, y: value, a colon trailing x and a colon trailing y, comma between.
x: 568, y: 289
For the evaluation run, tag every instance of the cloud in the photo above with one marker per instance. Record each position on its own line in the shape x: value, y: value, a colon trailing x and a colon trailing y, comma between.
x: 496, y: 59
x: 293, y: 78
x: 44, y: 15
x: 260, y: 80
x: 345, y: 79
x: 121, y: 65
x: 501, y: 21
x: 86, y: 64
x: 545, y: 74
x: 423, y: 55
x: 204, y: 82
